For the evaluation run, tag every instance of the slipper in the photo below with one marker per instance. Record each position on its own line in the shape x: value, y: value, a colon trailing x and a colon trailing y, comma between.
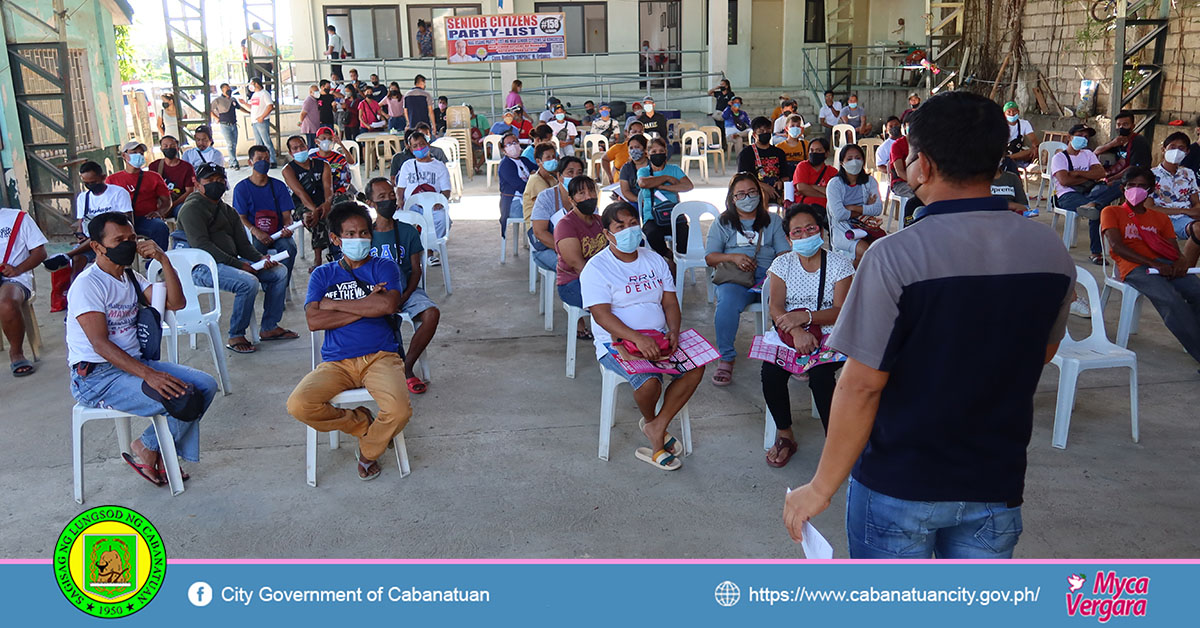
x: 366, y: 468
x: 140, y: 468
x: 241, y: 347
x: 584, y: 334
x: 162, y: 471
x: 670, y: 443
x: 22, y: 368
x: 724, y: 374
x: 415, y: 385
x: 286, y: 335
x: 783, y: 445
x: 660, y: 459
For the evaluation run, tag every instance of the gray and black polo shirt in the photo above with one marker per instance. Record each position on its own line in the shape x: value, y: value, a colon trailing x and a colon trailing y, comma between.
x: 958, y: 309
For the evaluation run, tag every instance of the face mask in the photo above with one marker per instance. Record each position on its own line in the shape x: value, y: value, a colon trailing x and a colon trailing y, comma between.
x: 386, y: 208
x: 442, y: 106
x: 586, y: 207
x: 262, y: 166
x: 636, y: 154
x: 227, y: 93
x: 808, y: 246
x: 513, y: 150
x: 853, y: 166
x: 794, y: 131
x: 658, y: 159
x: 313, y: 94
x: 96, y: 188
x: 170, y: 153
x: 1013, y: 119
x: 1135, y: 196
x: 764, y: 138
x: 1174, y: 156
x: 1078, y: 142
x: 566, y: 183
x: 356, y: 249
x: 605, y: 114
x: 649, y: 109
x: 215, y: 190
x: 325, y: 145
x: 560, y: 116
x: 894, y: 132
x: 122, y: 254
x: 1124, y: 132
x: 816, y: 159
x: 550, y: 165
x: 589, y: 110
x: 746, y: 205
x: 854, y: 105
x: 735, y: 106
x: 137, y: 160
x: 301, y: 156
x: 421, y: 153
x: 629, y: 239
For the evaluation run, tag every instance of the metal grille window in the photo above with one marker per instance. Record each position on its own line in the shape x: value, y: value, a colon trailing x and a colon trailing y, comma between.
x: 81, y: 88
x: 586, y: 24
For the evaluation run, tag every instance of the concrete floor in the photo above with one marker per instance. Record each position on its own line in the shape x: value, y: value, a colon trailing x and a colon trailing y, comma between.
x: 503, y: 450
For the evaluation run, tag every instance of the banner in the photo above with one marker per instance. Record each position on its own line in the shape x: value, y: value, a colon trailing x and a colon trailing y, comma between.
x: 519, y: 37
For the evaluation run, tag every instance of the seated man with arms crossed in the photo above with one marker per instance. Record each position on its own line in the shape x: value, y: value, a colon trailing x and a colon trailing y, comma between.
x: 351, y: 299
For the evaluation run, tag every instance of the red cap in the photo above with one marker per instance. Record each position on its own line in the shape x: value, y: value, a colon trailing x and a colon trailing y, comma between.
x: 324, y: 129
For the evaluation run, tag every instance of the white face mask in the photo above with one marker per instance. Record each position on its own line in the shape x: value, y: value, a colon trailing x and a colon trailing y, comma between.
x: 853, y: 166
x: 1174, y: 156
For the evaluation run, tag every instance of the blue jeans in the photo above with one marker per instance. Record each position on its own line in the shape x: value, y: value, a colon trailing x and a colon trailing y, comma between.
x: 395, y: 123
x: 879, y: 526
x: 262, y: 135
x: 546, y: 259
x: 109, y: 387
x: 230, y: 133
x: 731, y: 300
x: 282, y: 244
x: 1103, y: 196
x: 153, y: 228
x: 571, y: 293
x: 245, y: 286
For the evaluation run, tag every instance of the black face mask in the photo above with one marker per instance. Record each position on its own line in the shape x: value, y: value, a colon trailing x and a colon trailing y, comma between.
x: 816, y: 159
x: 586, y: 207
x: 386, y: 208
x: 1124, y: 131
x: 122, y: 254
x: 96, y: 188
x: 215, y: 190
x: 894, y: 132
x: 170, y: 153
x: 658, y: 159
x: 764, y: 138
x: 227, y: 93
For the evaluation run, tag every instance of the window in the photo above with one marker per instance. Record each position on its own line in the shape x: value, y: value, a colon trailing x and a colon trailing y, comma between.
x: 814, y: 21
x: 82, y: 106
x: 586, y: 24
x: 370, y: 32
x: 432, y: 15
x: 733, y: 22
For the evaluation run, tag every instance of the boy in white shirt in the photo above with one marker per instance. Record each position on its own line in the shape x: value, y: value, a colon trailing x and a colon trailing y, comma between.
x: 97, y: 198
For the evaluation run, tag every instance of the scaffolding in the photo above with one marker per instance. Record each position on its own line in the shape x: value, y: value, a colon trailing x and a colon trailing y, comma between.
x: 944, y: 43
x: 187, y: 56
x: 1143, y: 78
x: 262, y: 55
x: 839, y: 47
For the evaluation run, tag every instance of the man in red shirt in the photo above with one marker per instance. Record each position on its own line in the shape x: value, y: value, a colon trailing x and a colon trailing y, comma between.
x: 148, y: 192
x: 178, y: 174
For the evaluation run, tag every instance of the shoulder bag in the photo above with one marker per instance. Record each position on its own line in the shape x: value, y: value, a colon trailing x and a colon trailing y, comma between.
x: 728, y: 272
x: 812, y: 328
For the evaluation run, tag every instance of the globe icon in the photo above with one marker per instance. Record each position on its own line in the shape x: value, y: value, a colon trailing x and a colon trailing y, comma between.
x: 727, y: 594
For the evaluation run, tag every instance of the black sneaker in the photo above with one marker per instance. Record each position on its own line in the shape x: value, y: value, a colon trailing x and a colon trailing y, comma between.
x: 58, y: 261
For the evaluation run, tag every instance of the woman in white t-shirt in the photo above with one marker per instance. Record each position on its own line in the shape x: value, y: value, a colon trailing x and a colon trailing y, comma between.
x: 629, y: 290
x: 800, y: 306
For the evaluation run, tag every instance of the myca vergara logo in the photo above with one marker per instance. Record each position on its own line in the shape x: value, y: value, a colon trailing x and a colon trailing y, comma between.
x: 109, y: 561
x: 1109, y: 596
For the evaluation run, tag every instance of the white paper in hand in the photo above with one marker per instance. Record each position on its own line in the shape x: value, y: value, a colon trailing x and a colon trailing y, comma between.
x: 772, y: 338
x: 278, y: 257
x: 292, y: 227
x: 815, y: 546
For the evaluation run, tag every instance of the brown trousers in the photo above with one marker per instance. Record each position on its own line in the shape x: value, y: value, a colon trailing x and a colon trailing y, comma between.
x: 382, y: 374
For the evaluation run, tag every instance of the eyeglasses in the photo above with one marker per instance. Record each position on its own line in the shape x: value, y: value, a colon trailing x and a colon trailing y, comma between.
x: 741, y: 196
x: 805, y: 231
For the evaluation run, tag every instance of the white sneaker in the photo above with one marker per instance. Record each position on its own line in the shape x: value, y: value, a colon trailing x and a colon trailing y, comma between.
x: 434, y: 259
x: 1081, y: 309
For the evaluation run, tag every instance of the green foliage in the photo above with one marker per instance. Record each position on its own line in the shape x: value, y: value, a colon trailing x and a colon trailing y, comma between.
x: 125, y: 54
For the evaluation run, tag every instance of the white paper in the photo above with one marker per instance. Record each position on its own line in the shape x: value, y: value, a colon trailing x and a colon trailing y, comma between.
x: 660, y: 196
x: 292, y: 227
x: 278, y: 257
x: 815, y: 546
x: 158, y: 297
x: 772, y: 338
x: 789, y: 191
x: 1190, y: 271
x: 855, y: 234
x: 611, y: 188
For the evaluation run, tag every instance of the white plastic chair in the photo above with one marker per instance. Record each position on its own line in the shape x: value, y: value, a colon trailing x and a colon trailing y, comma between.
x: 713, y: 147
x: 573, y: 316
x: 1093, y: 352
x: 694, y: 257
x: 193, y: 319
x: 1046, y: 152
x: 692, y: 151
x: 546, y: 298
x: 492, y: 156
x: 764, y: 323
x: 533, y: 275
x: 870, y: 146
x: 1070, y: 221
x: 893, y: 206
x: 518, y: 223
x: 843, y: 134
x: 356, y: 175
x: 609, y: 381
x: 450, y: 147
x: 1131, y: 301
x: 354, y: 397
x: 82, y: 414
x: 427, y: 201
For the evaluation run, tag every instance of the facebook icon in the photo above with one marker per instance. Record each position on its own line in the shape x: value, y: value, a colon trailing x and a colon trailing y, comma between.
x: 200, y: 594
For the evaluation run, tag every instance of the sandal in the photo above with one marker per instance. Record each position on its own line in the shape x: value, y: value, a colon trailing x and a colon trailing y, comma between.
x: 242, y: 346
x: 724, y: 374
x: 660, y: 459
x: 584, y: 334
x: 162, y: 471
x: 22, y: 368
x: 141, y: 467
x: 670, y: 443
x: 364, y: 468
x: 415, y: 385
x: 782, y: 445
x: 1097, y: 259
x: 284, y: 334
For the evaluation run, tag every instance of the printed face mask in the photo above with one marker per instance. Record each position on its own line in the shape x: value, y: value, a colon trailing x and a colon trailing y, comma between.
x: 636, y: 154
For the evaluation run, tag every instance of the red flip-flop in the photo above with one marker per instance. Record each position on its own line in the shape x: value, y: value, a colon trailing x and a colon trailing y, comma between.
x: 415, y: 385
x: 140, y: 468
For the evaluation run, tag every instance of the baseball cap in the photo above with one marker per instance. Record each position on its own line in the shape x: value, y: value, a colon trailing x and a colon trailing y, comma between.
x: 324, y: 129
x: 207, y: 170
x: 1082, y: 127
x: 1010, y: 105
x: 914, y: 95
x: 132, y: 145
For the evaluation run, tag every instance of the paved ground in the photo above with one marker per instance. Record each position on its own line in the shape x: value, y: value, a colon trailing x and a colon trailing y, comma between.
x: 503, y: 451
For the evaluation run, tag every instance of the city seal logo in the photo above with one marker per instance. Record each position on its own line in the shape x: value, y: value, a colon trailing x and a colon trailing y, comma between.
x: 109, y: 562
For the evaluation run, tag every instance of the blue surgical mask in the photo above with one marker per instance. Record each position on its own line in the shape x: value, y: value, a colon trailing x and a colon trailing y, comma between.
x: 808, y: 246
x: 550, y: 164
x: 794, y: 131
x: 628, y: 239
x: 854, y: 105
x: 560, y: 116
x: 301, y: 156
x: 1013, y: 118
x: 421, y: 153
x: 137, y: 160
x: 356, y: 249
x: 262, y: 166
x: 567, y: 182
x: 1079, y: 142
x: 605, y: 114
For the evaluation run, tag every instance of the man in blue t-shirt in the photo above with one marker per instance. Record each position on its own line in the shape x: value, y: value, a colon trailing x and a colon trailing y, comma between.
x: 265, y: 205
x: 400, y: 242
x: 351, y: 299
